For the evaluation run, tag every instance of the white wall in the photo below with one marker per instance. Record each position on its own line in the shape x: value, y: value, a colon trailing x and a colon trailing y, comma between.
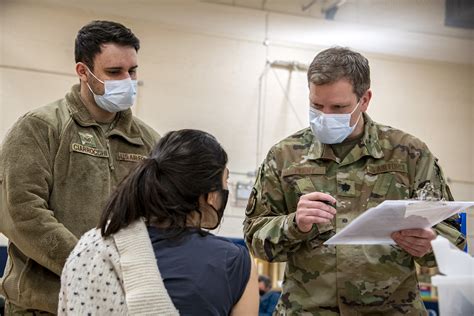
x: 200, y: 65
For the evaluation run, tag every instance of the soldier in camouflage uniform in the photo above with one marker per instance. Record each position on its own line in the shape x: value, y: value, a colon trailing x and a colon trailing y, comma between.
x: 315, y: 182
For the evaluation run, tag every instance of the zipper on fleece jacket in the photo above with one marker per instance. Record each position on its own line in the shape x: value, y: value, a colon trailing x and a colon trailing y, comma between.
x: 111, y: 159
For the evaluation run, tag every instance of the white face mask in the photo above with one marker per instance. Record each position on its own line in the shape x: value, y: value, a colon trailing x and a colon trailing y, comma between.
x: 119, y: 95
x: 331, y: 128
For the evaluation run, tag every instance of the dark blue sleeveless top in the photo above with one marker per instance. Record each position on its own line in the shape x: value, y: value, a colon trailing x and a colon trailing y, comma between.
x: 204, y: 275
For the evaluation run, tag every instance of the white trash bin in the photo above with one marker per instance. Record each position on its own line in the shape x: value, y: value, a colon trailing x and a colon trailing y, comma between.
x: 455, y: 295
x: 456, y: 287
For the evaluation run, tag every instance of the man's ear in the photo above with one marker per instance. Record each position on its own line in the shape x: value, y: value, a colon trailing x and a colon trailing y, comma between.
x: 366, y: 100
x: 81, y: 71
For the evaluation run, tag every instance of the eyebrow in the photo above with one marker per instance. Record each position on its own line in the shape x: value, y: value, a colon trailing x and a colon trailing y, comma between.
x: 120, y: 68
x: 331, y: 105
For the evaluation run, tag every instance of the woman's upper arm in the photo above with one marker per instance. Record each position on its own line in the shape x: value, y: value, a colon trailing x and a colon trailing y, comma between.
x: 249, y: 301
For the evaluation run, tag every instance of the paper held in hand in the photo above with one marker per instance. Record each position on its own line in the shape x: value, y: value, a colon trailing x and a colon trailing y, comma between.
x: 376, y: 225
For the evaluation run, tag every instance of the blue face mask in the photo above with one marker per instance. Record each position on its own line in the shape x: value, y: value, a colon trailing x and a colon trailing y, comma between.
x: 331, y: 128
x: 119, y: 95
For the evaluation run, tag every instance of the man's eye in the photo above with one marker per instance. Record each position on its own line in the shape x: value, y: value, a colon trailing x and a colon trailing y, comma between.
x: 340, y: 107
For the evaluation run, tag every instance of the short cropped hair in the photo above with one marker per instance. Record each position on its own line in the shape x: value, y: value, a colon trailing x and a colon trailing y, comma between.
x: 338, y: 63
x: 92, y: 36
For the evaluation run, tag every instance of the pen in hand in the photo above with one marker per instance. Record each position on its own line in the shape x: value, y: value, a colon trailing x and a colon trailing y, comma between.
x: 314, y: 208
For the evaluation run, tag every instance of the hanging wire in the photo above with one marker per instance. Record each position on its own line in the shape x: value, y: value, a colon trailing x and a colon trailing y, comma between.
x: 262, y: 91
x: 262, y: 94
x: 287, y: 97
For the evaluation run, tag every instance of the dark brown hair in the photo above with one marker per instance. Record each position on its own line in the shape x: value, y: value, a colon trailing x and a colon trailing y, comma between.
x: 92, y: 36
x: 166, y: 187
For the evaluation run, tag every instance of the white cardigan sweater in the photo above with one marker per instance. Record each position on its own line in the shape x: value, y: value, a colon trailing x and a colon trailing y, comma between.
x: 117, y: 275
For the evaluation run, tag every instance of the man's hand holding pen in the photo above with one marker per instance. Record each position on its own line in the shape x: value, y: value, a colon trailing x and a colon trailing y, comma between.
x: 314, y: 208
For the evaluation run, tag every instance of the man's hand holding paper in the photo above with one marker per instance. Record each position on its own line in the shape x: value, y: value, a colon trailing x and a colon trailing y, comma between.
x: 417, y: 242
x: 382, y: 224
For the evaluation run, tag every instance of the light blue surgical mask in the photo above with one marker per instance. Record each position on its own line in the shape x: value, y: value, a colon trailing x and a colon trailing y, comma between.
x: 119, y: 95
x: 331, y: 128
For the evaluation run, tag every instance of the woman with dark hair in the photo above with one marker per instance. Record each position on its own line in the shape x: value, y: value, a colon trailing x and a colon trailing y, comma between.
x: 151, y: 252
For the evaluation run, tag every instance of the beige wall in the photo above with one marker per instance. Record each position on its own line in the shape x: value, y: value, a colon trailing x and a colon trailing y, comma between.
x: 200, y: 65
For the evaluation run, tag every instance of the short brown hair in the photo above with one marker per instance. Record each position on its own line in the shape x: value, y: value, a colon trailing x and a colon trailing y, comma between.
x: 337, y: 63
x: 92, y: 36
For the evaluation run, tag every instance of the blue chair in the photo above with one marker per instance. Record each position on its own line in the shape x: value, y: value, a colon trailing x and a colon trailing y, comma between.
x: 463, y: 222
x: 3, y: 259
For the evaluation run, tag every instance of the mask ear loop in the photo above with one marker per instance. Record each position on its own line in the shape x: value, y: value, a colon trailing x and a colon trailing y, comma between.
x: 198, y: 210
x: 360, y: 114
x: 87, y: 83
x: 93, y: 74
x: 219, y: 213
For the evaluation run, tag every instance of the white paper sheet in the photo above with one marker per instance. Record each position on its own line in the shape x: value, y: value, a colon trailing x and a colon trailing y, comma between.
x: 377, y: 224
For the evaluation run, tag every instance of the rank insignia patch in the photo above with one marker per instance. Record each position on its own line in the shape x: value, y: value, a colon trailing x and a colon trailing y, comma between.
x: 87, y: 139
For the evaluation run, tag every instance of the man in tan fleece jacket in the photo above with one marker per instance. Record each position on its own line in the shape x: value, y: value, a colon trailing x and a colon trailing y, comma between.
x: 59, y: 163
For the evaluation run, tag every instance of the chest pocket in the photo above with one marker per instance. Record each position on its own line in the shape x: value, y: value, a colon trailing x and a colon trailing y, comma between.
x: 391, y: 182
x: 300, y: 179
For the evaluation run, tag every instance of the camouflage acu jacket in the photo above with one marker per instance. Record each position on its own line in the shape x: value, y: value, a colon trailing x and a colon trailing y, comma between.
x: 387, y: 164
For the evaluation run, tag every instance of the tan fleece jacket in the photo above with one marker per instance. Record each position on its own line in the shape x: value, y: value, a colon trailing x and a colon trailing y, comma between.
x: 57, y: 168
